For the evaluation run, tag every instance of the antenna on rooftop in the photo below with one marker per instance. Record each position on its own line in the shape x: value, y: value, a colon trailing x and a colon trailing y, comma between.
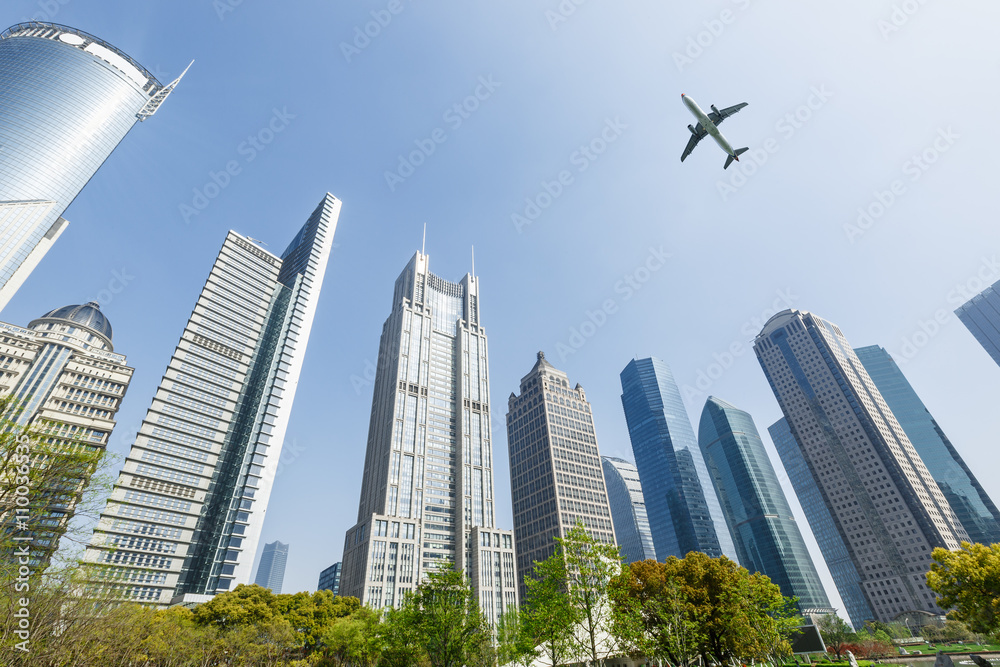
x: 423, y: 244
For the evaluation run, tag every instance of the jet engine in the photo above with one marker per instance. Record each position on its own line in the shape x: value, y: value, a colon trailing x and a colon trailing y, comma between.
x: 693, y: 131
x: 715, y: 110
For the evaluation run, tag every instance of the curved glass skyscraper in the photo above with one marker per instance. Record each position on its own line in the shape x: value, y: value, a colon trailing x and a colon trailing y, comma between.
x: 967, y: 497
x: 628, y: 509
x: 67, y: 99
x: 761, y: 522
x: 684, y: 512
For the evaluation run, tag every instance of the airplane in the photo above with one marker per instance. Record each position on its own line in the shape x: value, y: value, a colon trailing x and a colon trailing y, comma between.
x: 707, y: 124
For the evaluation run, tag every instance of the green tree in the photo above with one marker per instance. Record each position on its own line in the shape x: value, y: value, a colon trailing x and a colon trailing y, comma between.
x: 591, y: 565
x: 650, y: 614
x: 549, y: 617
x: 837, y: 634
x: 967, y: 581
x: 355, y: 639
x: 445, y: 615
x: 514, y: 643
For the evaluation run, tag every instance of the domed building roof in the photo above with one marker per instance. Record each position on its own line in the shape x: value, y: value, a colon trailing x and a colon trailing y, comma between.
x: 88, y: 316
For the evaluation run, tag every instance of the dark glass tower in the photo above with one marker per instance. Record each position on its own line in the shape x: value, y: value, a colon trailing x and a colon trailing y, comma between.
x: 981, y: 315
x: 765, y: 532
x: 628, y: 510
x: 68, y: 99
x: 978, y: 514
x: 831, y: 544
x: 885, y: 503
x: 684, y: 512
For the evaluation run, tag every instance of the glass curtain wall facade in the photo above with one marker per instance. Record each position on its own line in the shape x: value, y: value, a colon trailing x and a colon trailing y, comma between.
x: 766, y: 534
x: 981, y: 316
x: 428, y: 476
x: 329, y: 579
x: 975, y: 509
x: 883, y: 500
x: 628, y: 510
x: 67, y: 383
x: 556, y: 476
x: 185, y: 516
x: 831, y: 544
x: 271, y: 569
x: 68, y: 99
x: 684, y: 512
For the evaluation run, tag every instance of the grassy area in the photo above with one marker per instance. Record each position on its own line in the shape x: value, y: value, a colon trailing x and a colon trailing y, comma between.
x: 953, y: 648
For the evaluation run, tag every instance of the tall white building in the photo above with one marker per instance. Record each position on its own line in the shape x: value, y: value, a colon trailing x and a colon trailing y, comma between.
x: 186, y: 513
x: 67, y: 383
x: 427, y: 492
x: 884, y: 502
x: 628, y: 509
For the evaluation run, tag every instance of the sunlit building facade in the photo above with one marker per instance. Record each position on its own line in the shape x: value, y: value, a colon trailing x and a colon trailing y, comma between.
x: 967, y: 497
x: 884, y: 502
x: 427, y: 501
x: 68, y: 99
x: 981, y: 316
x: 184, y: 519
x: 556, y: 475
x: 67, y: 383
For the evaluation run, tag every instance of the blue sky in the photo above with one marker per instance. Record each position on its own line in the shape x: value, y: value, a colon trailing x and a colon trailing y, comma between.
x: 880, y: 106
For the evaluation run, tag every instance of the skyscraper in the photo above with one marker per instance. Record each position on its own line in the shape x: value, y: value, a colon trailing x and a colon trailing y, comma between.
x: 271, y: 569
x: 186, y: 513
x: 981, y: 316
x: 884, y: 502
x: 556, y: 476
x: 428, y: 479
x: 329, y: 579
x: 968, y: 499
x: 628, y: 509
x: 684, y: 512
x: 831, y: 544
x: 67, y: 383
x: 69, y: 98
x: 765, y: 532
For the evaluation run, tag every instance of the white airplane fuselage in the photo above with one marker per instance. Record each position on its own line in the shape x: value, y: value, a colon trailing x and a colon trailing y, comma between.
x: 708, y: 125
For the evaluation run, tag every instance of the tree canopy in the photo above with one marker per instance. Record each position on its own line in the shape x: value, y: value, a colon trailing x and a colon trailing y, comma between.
x: 967, y: 582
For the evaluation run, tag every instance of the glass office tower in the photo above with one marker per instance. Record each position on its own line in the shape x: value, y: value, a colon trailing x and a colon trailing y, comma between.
x: 981, y: 316
x: 831, y: 544
x: 628, y: 509
x: 556, y: 477
x: 271, y: 569
x: 68, y: 99
x: 883, y: 500
x: 765, y: 532
x: 684, y: 512
x: 427, y: 489
x: 185, y: 516
x: 975, y: 509
x: 329, y: 579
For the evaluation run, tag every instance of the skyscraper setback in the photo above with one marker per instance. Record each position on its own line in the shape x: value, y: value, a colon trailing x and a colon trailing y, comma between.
x: 766, y: 535
x: 427, y: 498
x: 69, y: 98
x: 968, y: 499
x: 684, y: 512
x: 556, y: 476
x: 880, y: 495
x: 185, y: 516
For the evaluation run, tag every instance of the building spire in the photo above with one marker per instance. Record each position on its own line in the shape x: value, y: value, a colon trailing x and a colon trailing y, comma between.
x: 423, y: 244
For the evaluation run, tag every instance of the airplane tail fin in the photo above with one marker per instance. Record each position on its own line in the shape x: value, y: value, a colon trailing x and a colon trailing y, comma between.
x: 738, y: 152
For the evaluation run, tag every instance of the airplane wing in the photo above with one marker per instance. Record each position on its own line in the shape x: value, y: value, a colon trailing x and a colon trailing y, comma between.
x: 698, y: 135
x: 723, y: 114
